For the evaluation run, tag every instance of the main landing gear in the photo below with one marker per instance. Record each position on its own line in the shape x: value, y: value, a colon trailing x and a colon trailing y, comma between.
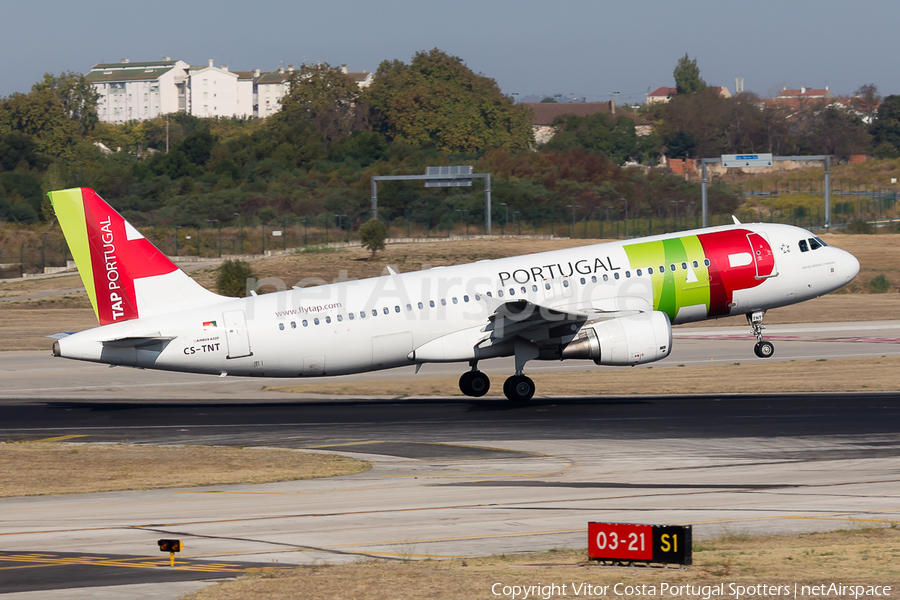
x: 762, y: 349
x: 474, y: 383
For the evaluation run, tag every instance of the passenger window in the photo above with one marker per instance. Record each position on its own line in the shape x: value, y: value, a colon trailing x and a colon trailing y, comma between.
x: 499, y: 293
x: 696, y: 264
x: 362, y: 314
x: 672, y: 266
x: 684, y: 266
x: 316, y: 321
x: 662, y: 269
x: 305, y: 323
x: 431, y: 303
x: 409, y: 307
x: 455, y: 301
x: 340, y: 318
x: 477, y: 297
x: 650, y: 270
x: 397, y: 308
x: 582, y: 281
x: 386, y: 310
x: 706, y: 262
x: 351, y: 316
x: 281, y: 326
x: 328, y: 319
x: 421, y: 305
x: 605, y: 277
x: 293, y: 325
x: 546, y: 286
x: 512, y: 291
x: 443, y: 302
x: 489, y: 295
x: 813, y: 244
x: 593, y: 279
x: 565, y: 283
x: 533, y: 288
x: 616, y: 275
x: 524, y: 291
x: 638, y: 272
x: 803, y: 246
x: 374, y: 312
x: 628, y: 274
x: 465, y: 298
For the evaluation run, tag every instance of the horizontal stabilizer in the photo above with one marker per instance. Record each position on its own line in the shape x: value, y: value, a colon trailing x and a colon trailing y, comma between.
x: 59, y: 336
x: 137, y: 341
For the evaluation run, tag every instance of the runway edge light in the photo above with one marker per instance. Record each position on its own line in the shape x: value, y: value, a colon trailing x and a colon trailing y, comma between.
x: 631, y: 542
x: 170, y: 546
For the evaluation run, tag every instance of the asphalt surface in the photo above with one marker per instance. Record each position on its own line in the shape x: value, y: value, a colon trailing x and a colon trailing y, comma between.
x: 450, y: 476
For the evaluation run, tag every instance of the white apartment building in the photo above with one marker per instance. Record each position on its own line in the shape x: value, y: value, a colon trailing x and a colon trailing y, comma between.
x: 218, y: 92
x: 139, y: 91
x: 144, y: 90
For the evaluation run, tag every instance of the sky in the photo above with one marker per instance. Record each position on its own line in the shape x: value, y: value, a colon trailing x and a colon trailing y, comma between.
x: 582, y: 48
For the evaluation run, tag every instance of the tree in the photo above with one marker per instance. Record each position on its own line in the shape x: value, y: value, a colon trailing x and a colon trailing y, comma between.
x: 867, y: 99
x: 615, y: 137
x: 232, y: 278
x: 372, y: 235
x: 886, y: 128
x: 687, y: 76
x: 438, y: 100
x: 76, y: 96
x: 326, y: 97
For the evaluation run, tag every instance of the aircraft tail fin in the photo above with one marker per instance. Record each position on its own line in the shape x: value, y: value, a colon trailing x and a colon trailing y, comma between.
x: 125, y: 275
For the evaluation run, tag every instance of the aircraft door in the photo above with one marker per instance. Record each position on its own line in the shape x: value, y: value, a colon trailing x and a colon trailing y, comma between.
x: 236, y: 334
x: 763, y: 257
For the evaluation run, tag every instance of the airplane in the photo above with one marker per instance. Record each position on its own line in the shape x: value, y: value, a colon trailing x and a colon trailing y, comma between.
x: 612, y: 303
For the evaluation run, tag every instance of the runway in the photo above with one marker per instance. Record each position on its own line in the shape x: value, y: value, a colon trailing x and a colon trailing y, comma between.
x: 457, y: 476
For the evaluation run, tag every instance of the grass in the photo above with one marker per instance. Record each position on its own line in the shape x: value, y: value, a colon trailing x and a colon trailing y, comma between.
x: 833, y: 375
x: 852, y: 558
x: 43, y: 468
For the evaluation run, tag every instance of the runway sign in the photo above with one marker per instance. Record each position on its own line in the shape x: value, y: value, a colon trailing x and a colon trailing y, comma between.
x: 670, y: 544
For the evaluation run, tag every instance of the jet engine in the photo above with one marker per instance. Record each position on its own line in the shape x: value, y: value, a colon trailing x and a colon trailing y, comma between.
x: 623, y: 341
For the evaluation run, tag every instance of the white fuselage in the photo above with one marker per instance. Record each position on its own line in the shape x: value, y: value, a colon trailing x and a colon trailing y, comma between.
x: 364, y: 325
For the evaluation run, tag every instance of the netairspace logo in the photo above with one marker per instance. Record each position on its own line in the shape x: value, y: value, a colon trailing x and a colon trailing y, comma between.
x: 731, y: 591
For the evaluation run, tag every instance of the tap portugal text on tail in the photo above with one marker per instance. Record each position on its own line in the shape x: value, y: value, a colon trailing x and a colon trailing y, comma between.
x: 612, y: 303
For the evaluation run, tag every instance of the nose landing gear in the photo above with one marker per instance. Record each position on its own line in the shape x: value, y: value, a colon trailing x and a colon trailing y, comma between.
x: 762, y: 349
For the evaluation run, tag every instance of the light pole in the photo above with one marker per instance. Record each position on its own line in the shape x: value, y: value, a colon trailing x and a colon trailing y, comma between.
x: 676, y: 203
x: 517, y: 220
x: 505, y: 218
x: 340, y: 221
x: 572, y: 229
x: 43, y: 254
x: 177, y: 227
x: 626, y: 215
x: 211, y: 221
x: 305, y: 234
x: 240, y: 234
x: 461, y: 211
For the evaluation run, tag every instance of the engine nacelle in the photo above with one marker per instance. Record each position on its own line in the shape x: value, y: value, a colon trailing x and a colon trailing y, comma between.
x: 624, y: 341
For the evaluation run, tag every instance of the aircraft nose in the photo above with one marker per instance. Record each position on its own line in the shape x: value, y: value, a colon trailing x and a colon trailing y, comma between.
x: 851, y: 266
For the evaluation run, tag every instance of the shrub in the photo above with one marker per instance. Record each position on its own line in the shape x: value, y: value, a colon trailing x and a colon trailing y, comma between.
x: 859, y: 226
x: 879, y: 284
x: 232, y: 279
x: 372, y: 235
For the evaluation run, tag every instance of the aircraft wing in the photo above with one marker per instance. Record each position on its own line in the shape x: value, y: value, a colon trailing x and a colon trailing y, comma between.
x: 507, y: 321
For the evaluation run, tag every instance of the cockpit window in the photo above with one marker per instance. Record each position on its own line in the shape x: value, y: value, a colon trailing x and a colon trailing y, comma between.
x: 813, y: 244
x: 821, y: 243
x: 803, y: 246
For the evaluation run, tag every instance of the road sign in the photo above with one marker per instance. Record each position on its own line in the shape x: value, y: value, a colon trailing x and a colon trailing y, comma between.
x: 454, y: 181
x: 735, y: 161
x: 629, y: 542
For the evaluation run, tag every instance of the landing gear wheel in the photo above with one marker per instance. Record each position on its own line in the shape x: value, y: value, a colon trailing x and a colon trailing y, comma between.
x: 479, y: 384
x: 764, y: 349
x: 519, y: 388
x: 474, y: 383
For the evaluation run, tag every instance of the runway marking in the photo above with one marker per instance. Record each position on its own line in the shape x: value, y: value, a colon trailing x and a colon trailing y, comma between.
x: 344, y: 444
x: 59, y: 438
x: 130, y: 563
